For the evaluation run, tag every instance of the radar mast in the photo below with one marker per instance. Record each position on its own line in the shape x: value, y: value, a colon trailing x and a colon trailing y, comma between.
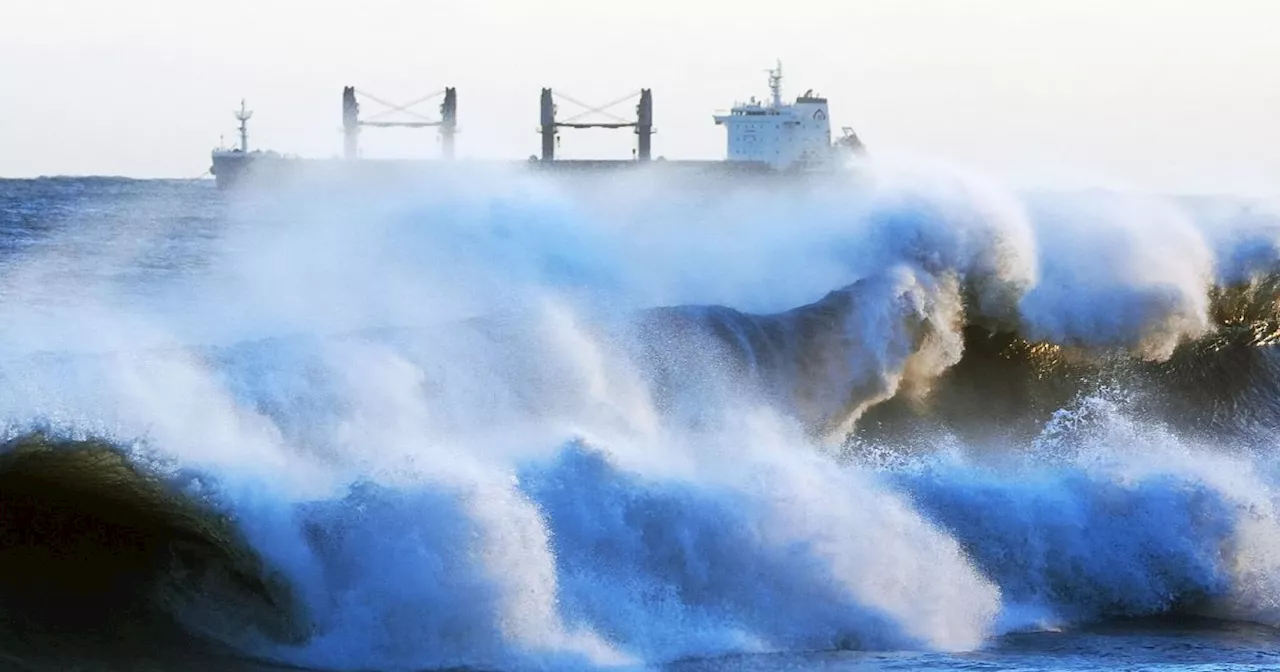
x: 775, y: 84
x: 244, y: 115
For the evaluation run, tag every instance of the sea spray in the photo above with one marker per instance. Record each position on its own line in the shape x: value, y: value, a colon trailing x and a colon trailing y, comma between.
x: 437, y: 412
x: 1106, y: 517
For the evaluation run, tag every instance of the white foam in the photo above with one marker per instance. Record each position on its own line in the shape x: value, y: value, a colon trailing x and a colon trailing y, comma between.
x: 514, y: 495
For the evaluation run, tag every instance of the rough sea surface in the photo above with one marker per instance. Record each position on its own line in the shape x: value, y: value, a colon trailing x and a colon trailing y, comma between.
x: 902, y: 420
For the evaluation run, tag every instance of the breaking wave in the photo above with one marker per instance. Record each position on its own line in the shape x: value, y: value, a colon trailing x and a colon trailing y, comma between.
x: 508, y: 423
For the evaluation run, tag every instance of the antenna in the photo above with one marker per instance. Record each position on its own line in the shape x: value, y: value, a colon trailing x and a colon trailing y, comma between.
x: 775, y: 84
x: 244, y: 115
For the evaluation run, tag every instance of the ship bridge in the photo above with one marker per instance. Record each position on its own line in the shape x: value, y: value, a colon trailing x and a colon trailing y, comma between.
x: 783, y: 136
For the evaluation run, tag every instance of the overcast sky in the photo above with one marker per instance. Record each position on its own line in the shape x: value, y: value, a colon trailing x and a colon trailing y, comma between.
x: 1174, y: 95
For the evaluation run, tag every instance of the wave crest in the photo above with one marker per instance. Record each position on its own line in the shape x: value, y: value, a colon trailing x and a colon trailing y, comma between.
x: 96, y: 548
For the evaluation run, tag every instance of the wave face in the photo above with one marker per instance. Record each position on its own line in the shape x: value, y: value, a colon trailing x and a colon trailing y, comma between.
x: 501, y: 422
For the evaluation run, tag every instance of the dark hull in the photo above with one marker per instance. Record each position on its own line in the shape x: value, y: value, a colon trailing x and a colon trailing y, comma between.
x: 250, y: 171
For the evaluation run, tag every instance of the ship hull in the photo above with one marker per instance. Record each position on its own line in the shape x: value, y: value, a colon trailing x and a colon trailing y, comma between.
x: 248, y: 171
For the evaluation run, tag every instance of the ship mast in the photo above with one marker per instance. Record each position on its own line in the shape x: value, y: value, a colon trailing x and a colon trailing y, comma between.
x: 775, y: 84
x: 244, y: 115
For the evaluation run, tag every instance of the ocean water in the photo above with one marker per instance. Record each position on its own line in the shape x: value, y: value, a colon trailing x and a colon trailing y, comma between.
x: 904, y: 420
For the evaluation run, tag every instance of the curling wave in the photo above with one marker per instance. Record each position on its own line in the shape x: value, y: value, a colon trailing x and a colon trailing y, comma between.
x: 96, y: 549
x: 506, y: 426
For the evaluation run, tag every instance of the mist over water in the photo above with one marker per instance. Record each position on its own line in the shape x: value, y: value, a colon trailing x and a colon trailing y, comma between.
x: 494, y: 420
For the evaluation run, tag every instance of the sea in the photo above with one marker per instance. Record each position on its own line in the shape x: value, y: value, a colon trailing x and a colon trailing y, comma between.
x: 903, y: 418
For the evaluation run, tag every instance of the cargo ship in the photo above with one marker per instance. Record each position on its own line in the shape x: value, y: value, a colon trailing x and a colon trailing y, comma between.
x: 763, y: 137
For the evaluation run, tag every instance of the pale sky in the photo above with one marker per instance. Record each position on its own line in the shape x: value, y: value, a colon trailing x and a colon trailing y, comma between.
x: 1172, y: 95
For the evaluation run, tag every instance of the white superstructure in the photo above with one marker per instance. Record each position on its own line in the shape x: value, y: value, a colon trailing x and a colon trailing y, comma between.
x: 786, y: 137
